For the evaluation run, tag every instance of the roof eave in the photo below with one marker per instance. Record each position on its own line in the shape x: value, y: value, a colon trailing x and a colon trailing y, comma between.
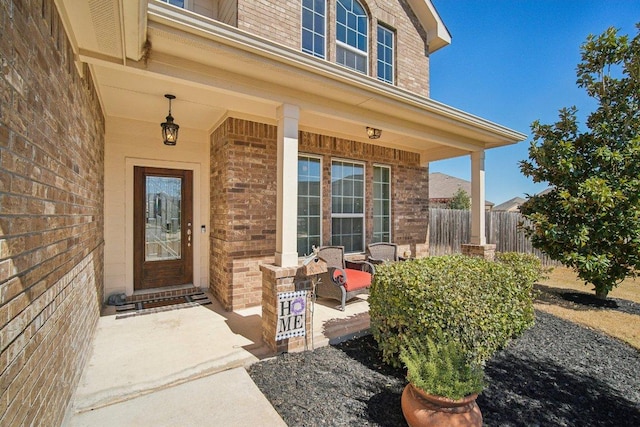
x: 438, y: 35
x: 274, y: 51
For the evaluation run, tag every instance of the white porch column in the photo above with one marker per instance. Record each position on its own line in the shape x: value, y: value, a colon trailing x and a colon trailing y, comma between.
x: 478, y: 236
x: 287, y: 185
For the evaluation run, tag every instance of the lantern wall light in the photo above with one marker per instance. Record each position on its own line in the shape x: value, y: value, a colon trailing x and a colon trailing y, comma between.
x: 169, y: 129
x: 373, y: 133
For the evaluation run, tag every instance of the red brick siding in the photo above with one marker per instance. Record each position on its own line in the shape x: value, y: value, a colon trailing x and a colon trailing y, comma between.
x: 409, y: 185
x: 243, y: 209
x: 51, y: 215
x: 243, y: 201
x: 280, y: 21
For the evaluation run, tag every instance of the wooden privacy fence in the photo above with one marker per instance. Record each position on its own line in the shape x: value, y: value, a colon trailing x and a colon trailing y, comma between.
x: 449, y: 228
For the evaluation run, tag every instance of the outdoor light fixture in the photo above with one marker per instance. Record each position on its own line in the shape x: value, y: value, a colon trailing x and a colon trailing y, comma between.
x: 373, y: 133
x: 169, y: 129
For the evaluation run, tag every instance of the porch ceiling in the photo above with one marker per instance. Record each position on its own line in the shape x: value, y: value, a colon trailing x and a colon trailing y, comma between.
x: 217, y: 71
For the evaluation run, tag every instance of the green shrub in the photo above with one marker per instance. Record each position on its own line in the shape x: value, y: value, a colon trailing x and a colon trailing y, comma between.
x: 477, y: 303
x: 441, y: 369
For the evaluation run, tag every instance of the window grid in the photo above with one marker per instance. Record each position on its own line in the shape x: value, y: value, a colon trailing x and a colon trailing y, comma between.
x: 347, y: 205
x: 385, y: 54
x: 313, y: 27
x: 309, y: 204
x: 351, y: 35
x: 381, y: 204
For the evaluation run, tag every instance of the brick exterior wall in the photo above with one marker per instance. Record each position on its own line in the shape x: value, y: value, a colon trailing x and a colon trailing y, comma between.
x: 409, y: 186
x: 275, y: 20
x: 51, y: 219
x: 280, y: 21
x: 243, y: 201
x: 243, y: 210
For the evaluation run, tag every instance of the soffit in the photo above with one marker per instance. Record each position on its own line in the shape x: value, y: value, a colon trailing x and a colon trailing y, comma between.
x: 95, y: 25
x: 217, y: 71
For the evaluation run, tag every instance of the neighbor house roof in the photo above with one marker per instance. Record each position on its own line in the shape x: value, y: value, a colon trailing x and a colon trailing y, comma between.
x: 510, y: 205
x: 444, y: 187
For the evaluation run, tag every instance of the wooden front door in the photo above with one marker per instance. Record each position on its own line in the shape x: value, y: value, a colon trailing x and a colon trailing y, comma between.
x: 162, y: 227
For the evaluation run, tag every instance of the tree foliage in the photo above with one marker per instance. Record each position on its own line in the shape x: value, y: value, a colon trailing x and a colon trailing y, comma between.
x: 590, y: 220
x: 460, y: 200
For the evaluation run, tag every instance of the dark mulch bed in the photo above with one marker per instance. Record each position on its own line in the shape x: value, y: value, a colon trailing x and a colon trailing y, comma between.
x: 556, y: 374
x: 576, y: 300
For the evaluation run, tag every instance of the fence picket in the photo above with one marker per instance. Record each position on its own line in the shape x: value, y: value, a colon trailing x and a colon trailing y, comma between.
x: 449, y: 228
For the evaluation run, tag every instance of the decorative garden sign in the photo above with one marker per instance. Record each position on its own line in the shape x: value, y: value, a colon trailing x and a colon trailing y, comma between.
x: 291, y: 315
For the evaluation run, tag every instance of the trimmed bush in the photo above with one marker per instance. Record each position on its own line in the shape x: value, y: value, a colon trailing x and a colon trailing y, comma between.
x: 479, y: 304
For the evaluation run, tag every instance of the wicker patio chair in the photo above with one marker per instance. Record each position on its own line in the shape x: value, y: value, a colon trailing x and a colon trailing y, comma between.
x: 381, y: 252
x: 344, y: 280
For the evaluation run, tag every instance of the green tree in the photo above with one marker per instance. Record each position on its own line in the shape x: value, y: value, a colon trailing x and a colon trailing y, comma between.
x: 460, y: 200
x: 590, y: 220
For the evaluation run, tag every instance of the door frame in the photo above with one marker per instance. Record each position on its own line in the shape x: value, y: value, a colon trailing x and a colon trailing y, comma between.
x: 198, y: 219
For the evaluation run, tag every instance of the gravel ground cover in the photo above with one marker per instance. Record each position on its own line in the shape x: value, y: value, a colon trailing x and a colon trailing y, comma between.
x: 556, y: 374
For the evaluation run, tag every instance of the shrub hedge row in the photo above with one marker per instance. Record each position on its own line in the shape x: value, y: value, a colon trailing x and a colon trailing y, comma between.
x: 478, y: 303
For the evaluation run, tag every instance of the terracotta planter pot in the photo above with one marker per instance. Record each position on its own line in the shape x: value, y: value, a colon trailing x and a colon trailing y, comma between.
x: 422, y: 409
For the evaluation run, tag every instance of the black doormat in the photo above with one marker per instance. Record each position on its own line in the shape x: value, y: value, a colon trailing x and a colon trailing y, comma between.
x: 162, y: 304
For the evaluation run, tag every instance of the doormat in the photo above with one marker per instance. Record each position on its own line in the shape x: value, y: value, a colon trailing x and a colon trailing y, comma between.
x: 161, y: 304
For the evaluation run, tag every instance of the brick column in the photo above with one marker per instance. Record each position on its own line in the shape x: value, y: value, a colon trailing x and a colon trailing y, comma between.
x: 274, y: 281
x: 485, y: 251
x: 277, y: 280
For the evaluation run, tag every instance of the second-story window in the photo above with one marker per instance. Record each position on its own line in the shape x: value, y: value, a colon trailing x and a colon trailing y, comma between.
x: 313, y: 27
x: 351, y: 35
x: 385, y: 54
x: 178, y: 3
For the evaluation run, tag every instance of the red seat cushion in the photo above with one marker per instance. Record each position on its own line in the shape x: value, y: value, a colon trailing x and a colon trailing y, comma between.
x: 357, y: 279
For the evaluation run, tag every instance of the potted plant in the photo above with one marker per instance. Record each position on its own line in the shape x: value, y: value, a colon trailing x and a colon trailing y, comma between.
x: 443, y: 384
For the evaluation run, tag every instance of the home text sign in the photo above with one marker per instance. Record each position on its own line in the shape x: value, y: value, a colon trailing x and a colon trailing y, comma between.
x: 291, y: 315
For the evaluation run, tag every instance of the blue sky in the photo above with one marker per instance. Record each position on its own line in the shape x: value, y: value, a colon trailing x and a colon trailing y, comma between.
x: 513, y: 62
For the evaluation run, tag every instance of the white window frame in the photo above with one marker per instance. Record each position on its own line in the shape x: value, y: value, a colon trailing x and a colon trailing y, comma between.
x: 393, y: 53
x: 354, y: 49
x: 187, y: 4
x: 373, y: 195
x: 324, y: 50
x: 319, y: 158
x: 364, y: 200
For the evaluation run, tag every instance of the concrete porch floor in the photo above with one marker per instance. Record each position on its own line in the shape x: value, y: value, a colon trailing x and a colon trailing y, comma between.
x: 187, y: 366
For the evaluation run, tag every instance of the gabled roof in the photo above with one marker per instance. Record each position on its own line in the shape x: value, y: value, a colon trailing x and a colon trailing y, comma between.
x: 545, y: 191
x: 438, y: 35
x: 510, y: 204
x: 444, y: 187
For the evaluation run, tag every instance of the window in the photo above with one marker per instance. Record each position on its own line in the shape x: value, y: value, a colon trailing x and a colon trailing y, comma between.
x: 309, y: 204
x: 385, y: 54
x: 313, y: 27
x: 178, y: 3
x: 347, y: 205
x: 381, y: 204
x: 351, y: 35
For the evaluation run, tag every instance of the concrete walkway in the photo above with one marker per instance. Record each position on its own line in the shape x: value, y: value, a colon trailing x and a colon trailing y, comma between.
x: 187, y: 366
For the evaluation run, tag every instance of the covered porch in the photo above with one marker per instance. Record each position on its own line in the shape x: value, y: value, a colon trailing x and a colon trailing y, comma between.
x: 247, y: 109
